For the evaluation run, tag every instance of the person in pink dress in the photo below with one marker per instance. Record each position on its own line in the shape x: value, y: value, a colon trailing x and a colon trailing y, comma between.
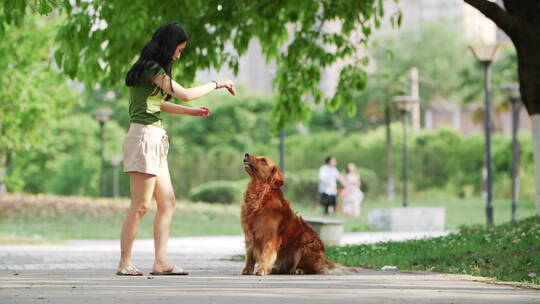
x: 352, y: 195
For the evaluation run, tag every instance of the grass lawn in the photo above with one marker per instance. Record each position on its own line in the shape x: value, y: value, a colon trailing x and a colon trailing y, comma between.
x: 196, y: 219
x: 509, y: 252
x: 189, y: 220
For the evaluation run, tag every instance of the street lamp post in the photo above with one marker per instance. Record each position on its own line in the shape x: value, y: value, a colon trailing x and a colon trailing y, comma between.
x: 405, y: 104
x: 512, y: 90
x: 102, y: 116
x: 485, y: 54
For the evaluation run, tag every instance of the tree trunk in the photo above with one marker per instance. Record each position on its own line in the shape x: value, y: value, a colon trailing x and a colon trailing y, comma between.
x: 529, y: 82
x: 535, y: 119
x: 390, y: 184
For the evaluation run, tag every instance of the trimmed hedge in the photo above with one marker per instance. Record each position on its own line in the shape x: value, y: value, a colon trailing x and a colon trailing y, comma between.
x: 224, y: 192
x: 302, y: 186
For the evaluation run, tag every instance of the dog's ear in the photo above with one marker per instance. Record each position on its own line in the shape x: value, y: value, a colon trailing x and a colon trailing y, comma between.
x: 276, y: 178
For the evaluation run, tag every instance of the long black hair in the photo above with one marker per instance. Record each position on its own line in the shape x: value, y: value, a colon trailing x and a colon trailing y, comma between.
x: 159, y: 50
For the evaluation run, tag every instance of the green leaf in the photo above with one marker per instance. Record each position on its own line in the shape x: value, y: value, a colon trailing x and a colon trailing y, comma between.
x: 9, y: 5
x: 44, y: 7
x: 58, y: 56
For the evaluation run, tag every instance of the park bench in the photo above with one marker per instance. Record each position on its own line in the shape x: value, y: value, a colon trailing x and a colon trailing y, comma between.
x: 329, y: 230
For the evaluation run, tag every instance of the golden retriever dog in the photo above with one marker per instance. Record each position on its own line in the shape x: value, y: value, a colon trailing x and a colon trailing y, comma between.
x: 277, y: 240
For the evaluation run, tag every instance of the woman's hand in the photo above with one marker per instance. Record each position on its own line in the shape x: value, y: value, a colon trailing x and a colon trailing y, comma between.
x: 228, y: 84
x: 201, y: 111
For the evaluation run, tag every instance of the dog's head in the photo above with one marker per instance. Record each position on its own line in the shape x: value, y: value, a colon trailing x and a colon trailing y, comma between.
x: 262, y: 170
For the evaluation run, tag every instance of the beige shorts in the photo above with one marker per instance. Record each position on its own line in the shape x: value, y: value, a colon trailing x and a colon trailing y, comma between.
x: 145, y: 149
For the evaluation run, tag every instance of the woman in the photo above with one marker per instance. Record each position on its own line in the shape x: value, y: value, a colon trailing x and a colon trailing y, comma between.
x: 146, y: 144
x: 352, y: 195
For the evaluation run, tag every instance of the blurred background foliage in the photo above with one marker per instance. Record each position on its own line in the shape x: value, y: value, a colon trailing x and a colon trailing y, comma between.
x: 50, y: 141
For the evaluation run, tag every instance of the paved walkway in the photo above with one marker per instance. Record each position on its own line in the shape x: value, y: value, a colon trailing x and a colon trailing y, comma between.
x: 82, y: 272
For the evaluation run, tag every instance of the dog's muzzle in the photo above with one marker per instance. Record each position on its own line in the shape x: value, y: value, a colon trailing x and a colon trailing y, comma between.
x: 247, y: 165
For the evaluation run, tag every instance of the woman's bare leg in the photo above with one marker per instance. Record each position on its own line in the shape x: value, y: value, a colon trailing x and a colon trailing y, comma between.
x: 166, y: 201
x: 142, y: 188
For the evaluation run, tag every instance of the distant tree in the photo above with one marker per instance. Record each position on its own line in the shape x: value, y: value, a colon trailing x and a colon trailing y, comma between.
x: 33, y: 93
x: 238, y: 127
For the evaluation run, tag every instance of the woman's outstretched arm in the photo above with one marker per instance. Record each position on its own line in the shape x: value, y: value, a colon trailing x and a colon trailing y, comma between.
x: 169, y: 107
x: 187, y: 94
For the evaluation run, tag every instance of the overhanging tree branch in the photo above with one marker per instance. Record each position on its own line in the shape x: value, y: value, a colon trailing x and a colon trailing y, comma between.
x: 507, y: 22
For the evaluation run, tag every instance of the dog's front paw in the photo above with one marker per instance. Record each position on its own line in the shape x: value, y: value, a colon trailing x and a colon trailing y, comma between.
x: 262, y: 272
x: 247, y: 271
x: 299, y: 271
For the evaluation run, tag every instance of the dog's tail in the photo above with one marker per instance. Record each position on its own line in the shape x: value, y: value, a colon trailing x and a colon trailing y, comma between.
x: 335, y: 268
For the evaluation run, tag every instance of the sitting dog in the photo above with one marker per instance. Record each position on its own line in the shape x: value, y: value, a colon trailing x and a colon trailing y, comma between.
x: 278, y: 240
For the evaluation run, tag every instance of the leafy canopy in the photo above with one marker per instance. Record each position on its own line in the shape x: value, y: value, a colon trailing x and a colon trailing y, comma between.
x: 101, y: 39
x: 32, y: 92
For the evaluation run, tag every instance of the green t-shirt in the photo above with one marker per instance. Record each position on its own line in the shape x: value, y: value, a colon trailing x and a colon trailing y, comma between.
x: 145, y: 98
